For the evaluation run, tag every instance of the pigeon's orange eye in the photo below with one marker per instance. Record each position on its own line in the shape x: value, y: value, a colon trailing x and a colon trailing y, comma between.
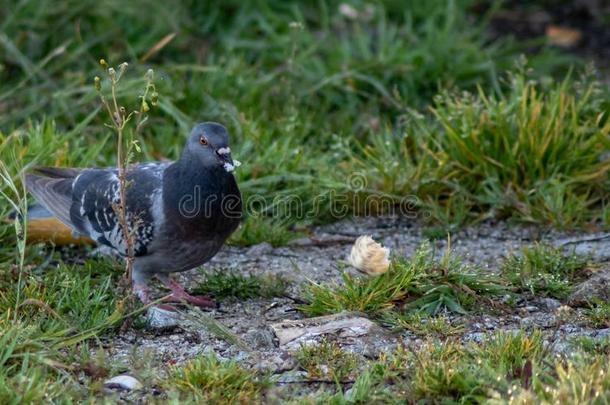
x: 203, y: 140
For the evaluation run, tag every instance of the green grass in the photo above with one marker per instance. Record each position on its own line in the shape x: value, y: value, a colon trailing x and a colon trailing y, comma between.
x: 254, y: 230
x: 422, y: 324
x: 420, y: 283
x: 544, y: 270
x: 210, y: 380
x: 504, y: 368
x: 531, y: 153
x: 255, y: 39
x: 451, y: 371
x: 222, y: 284
x: 298, y: 98
x: 52, y: 323
x: 599, y: 314
x: 327, y: 361
x: 591, y: 346
x: 26, y: 373
x: 371, y: 295
x: 45, y: 337
x: 76, y: 298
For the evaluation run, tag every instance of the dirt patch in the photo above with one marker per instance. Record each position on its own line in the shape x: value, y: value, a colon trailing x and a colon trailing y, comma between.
x: 254, y: 320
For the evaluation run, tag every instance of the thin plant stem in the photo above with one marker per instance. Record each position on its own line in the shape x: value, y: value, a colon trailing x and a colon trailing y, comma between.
x: 119, y: 121
x: 20, y: 205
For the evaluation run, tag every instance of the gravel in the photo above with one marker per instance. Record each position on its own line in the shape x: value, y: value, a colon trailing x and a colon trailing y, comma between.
x: 250, y: 320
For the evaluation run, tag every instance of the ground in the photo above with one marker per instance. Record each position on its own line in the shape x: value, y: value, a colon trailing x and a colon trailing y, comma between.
x: 485, y: 124
x: 315, y: 259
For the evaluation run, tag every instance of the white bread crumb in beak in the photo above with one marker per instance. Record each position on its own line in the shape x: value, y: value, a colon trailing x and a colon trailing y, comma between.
x: 231, y: 167
x: 369, y: 257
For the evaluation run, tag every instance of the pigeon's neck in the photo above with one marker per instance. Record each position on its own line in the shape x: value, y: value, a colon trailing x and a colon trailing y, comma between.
x: 196, y: 194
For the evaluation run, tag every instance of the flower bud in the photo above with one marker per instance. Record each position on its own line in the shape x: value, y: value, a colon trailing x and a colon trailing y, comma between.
x: 103, y: 62
x: 98, y: 83
x: 369, y: 257
x: 123, y: 67
x: 154, y: 98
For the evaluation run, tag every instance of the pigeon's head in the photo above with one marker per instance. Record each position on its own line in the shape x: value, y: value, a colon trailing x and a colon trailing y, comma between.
x: 209, y: 143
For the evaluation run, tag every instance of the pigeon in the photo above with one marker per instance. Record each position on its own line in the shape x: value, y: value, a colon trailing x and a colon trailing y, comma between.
x: 180, y: 213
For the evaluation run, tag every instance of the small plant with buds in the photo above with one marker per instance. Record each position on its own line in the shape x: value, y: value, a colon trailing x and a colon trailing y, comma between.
x: 120, y: 118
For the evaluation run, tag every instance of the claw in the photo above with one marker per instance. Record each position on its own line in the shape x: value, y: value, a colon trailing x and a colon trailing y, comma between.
x: 179, y: 294
x: 197, y: 300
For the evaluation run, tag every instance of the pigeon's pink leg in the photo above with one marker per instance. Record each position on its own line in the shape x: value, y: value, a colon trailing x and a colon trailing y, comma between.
x: 141, y: 291
x: 139, y: 281
x: 179, y: 294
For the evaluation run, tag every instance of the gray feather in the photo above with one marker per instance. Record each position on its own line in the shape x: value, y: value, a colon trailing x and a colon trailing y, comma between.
x: 55, y: 194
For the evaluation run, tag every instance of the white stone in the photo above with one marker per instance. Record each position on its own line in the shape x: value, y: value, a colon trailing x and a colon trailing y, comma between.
x: 158, y: 318
x: 294, y: 333
x: 125, y: 382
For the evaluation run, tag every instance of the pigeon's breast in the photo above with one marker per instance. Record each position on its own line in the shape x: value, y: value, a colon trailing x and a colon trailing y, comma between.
x: 185, y: 255
x: 199, y: 214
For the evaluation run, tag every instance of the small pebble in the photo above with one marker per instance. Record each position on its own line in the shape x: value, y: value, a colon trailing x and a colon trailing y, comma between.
x: 161, y: 319
x: 477, y: 337
x: 292, y: 377
x: 601, y: 334
x: 260, y: 250
x: 477, y: 326
x: 550, y: 303
x: 260, y: 338
x: 123, y: 382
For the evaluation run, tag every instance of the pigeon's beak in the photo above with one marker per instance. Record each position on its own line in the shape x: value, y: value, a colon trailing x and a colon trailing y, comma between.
x: 224, y: 158
x: 224, y: 155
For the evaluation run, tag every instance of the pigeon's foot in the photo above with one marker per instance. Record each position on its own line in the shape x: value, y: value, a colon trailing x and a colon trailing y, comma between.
x: 141, y: 291
x: 197, y: 300
x: 179, y: 294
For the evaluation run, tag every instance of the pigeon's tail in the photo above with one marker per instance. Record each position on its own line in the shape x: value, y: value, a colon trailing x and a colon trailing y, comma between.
x: 54, y: 193
x: 43, y: 226
x: 35, y: 211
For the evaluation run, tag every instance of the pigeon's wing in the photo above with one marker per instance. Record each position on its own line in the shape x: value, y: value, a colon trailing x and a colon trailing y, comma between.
x: 55, y: 194
x: 87, y: 199
x: 58, y: 172
x: 96, y: 198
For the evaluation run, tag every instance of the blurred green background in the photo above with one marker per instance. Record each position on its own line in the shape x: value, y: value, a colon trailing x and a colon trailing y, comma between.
x: 433, y: 101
